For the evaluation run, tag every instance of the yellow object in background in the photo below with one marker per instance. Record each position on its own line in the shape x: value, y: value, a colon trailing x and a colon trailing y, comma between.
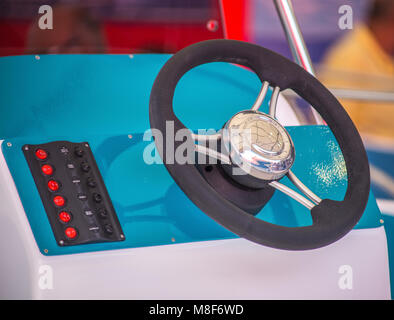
x: 358, y: 62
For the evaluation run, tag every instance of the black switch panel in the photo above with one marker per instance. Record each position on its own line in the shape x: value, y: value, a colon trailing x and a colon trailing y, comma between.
x: 73, y: 193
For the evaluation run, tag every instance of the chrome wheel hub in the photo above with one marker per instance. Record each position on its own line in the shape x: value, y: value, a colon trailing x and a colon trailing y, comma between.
x: 259, y: 145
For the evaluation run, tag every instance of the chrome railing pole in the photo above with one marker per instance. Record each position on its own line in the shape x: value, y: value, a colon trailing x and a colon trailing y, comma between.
x: 295, y: 39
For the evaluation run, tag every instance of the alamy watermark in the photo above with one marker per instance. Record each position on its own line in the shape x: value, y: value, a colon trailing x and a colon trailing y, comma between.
x: 345, y: 21
x: 345, y: 281
x: 46, y: 19
x: 181, y: 147
x: 45, y: 277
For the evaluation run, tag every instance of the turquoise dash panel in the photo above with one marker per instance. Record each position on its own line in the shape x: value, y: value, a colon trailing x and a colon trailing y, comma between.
x: 104, y: 99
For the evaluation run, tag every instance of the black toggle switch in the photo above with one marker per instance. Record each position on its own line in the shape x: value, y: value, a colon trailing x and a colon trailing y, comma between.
x: 108, y: 229
x: 97, y: 197
x: 91, y: 183
x: 82, y: 196
x: 78, y: 151
x: 85, y: 166
x: 102, y: 212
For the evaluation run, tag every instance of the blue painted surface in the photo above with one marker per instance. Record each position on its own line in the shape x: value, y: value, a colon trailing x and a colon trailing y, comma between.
x: 101, y: 99
x: 389, y: 227
x: 153, y: 210
x: 110, y: 94
x: 382, y: 160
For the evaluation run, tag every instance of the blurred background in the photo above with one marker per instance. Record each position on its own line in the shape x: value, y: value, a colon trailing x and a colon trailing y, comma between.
x: 355, y: 61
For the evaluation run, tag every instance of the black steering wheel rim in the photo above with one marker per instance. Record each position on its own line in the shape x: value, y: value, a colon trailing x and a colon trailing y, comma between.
x: 331, y: 219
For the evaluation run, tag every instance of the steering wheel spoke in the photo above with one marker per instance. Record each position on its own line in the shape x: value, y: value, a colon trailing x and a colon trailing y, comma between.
x: 200, y: 148
x: 206, y: 137
x: 308, y: 203
x: 212, y: 153
x: 303, y: 188
x: 260, y: 98
x: 274, y: 102
x: 292, y: 194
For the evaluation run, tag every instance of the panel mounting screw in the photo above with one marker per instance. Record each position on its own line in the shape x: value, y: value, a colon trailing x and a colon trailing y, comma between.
x: 381, y: 221
x: 212, y: 25
x: 9, y: 144
x: 122, y: 236
x: 61, y: 242
x: 26, y: 148
x: 37, y: 57
x: 131, y: 56
x: 130, y: 136
x: 45, y: 250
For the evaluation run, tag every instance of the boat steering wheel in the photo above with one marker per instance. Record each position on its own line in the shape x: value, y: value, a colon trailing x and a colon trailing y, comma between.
x: 250, y: 166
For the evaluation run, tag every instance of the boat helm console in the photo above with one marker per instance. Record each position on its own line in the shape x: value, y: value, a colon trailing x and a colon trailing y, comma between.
x: 92, y: 189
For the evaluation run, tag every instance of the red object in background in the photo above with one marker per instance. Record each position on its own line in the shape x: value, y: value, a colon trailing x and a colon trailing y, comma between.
x: 122, y: 37
x: 236, y: 18
x: 157, y: 34
x: 13, y: 35
x: 144, y: 37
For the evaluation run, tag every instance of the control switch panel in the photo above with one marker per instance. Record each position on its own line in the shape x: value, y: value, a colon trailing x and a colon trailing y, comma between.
x: 73, y: 193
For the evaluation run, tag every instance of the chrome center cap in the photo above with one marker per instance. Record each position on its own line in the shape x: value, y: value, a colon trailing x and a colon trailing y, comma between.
x: 259, y: 145
x: 265, y: 138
